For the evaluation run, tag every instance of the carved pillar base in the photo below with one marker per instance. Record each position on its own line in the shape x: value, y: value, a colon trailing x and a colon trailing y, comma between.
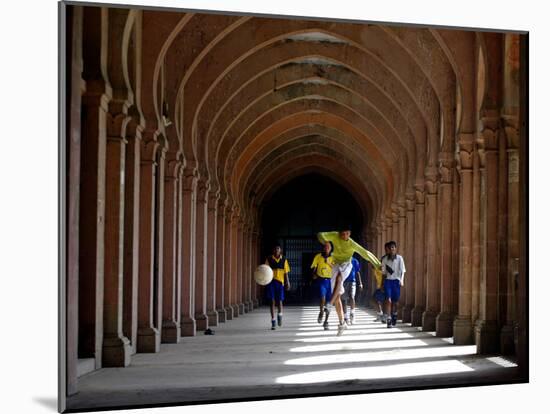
x: 407, y: 313
x: 148, y: 340
x: 416, y: 316
x: 444, y: 325
x: 171, y: 332
x: 462, y: 331
x: 228, y: 313
x: 250, y: 304
x: 188, y: 326
x: 241, y: 308
x: 201, y: 321
x: 487, y: 337
x: 428, y: 320
x: 222, y: 314
x: 256, y: 303
x: 212, y: 318
x: 235, y: 310
x: 116, y: 352
x: 507, y: 346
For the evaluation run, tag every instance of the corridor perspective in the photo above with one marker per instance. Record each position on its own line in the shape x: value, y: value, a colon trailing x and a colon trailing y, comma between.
x: 195, y: 142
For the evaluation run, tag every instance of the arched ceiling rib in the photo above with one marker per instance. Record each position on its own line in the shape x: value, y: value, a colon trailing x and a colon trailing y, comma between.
x: 315, y: 162
x: 238, y: 79
x: 306, y: 144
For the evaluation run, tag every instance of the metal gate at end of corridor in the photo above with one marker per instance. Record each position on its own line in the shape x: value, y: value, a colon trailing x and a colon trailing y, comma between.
x: 300, y: 252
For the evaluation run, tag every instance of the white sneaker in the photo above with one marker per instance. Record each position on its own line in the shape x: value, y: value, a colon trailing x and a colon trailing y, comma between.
x: 341, y: 328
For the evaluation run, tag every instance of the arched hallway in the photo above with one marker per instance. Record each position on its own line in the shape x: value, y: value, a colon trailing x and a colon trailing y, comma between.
x: 244, y: 360
x: 183, y: 126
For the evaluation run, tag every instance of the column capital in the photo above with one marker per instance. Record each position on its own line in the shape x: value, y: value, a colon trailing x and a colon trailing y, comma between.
x: 172, y: 166
x: 511, y: 130
x: 446, y: 164
x: 430, y: 182
x: 395, y: 213
x: 203, y: 187
x: 466, y: 151
x: 402, y: 206
x: 213, y: 197
x: 116, y: 121
x: 410, y: 198
x: 490, y: 125
x: 190, y: 177
x: 419, y: 194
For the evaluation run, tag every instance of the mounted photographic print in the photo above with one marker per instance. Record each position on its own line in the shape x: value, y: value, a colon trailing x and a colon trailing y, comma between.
x: 261, y: 207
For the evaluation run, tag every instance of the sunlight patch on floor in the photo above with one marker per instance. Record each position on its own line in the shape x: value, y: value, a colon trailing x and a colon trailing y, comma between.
x: 389, y: 355
x: 357, y: 337
x: 367, y: 373
x: 351, y: 346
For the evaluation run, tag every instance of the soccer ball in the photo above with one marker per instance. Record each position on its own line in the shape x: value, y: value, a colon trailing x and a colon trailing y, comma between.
x: 263, y: 274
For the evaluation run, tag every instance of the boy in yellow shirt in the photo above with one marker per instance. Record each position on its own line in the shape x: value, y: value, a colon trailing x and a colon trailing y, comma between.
x: 322, y: 272
x: 344, y: 247
x: 275, y: 292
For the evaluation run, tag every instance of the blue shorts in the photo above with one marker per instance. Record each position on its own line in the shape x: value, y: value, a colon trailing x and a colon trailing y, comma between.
x: 392, y: 289
x: 275, y: 290
x: 379, y: 295
x: 323, y: 288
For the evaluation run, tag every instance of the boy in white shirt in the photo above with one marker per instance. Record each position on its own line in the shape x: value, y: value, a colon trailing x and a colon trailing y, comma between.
x: 393, y: 268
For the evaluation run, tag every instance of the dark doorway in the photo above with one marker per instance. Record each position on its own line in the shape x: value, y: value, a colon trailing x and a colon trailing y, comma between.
x: 294, y: 215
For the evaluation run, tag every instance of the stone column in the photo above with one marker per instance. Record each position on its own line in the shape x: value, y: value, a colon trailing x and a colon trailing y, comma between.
x: 389, y: 230
x: 250, y: 270
x: 229, y: 263
x: 444, y: 320
x: 116, y: 347
x: 410, y: 275
x: 507, y: 345
x: 220, y: 259
x: 131, y: 233
x: 486, y: 329
x: 246, y: 267
x: 148, y: 338
x: 92, y: 185
x: 477, y: 174
x: 171, y: 330
x: 402, y: 247
x: 234, y: 263
x: 240, y: 265
x: 433, y: 285
x: 201, y: 231
x: 382, y: 235
x: 462, y: 327
x: 75, y: 86
x: 419, y: 254
x: 211, y: 261
x: 187, y: 320
x: 158, y: 236
x: 256, y: 262
x: 502, y: 233
x: 395, y: 223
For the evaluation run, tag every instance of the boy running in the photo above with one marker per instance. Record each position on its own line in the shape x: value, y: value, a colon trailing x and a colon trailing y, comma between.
x: 393, y: 267
x: 275, y: 292
x: 322, y: 272
x: 350, y: 288
x: 344, y: 247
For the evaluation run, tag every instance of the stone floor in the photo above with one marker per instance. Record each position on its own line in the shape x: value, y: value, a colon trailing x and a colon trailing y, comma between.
x: 246, y: 360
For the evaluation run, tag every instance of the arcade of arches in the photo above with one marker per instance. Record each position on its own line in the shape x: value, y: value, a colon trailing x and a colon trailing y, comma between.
x: 180, y: 126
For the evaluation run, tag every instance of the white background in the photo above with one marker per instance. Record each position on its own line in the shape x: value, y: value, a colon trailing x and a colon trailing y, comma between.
x: 28, y: 212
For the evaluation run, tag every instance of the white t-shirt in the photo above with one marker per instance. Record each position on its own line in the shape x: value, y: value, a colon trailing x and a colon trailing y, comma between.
x: 397, y: 265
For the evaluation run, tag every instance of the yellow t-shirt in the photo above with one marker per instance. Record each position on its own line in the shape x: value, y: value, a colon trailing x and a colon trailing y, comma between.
x: 279, y: 274
x: 323, y: 268
x: 344, y: 249
x: 378, y: 278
